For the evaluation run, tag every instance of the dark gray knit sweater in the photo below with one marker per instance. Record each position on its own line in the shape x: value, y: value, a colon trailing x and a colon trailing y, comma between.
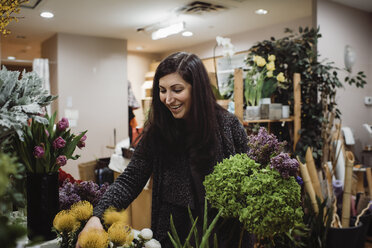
x: 174, y: 184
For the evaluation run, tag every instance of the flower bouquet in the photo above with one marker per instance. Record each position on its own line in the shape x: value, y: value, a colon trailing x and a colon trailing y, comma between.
x: 44, y: 148
x: 260, y: 188
x: 116, y: 233
x: 262, y: 79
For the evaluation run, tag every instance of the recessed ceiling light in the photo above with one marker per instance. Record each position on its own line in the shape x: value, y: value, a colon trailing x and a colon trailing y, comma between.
x: 47, y: 14
x: 261, y: 12
x: 11, y: 57
x: 139, y: 48
x: 187, y: 33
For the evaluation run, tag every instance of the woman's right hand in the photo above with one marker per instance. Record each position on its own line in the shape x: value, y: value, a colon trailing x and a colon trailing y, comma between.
x: 93, y: 223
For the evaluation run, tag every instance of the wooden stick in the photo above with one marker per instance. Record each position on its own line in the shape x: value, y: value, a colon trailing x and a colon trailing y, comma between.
x: 238, y: 93
x: 329, y: 182
x: 297, y: 108
x: 308, y: 186
x: 313, y: 173
x: 346, y: 198
x: 360, y: 182
x: 369, y: 180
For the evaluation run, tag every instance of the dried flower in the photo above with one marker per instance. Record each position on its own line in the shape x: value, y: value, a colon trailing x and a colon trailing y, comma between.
x: 263, y: 146
x: 284, y: 165
x: 61, y: 160
x: 111, y: 216
x: 120, y: 234
x: 59, y: 143
x: 62, y: 124
x: 65, y: 221
x: 38, y: 151
x: 93, y: 238
x: 146, y: 233
x: 82, y: 210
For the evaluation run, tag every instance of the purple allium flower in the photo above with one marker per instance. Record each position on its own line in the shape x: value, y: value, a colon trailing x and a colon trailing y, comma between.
x: 59, y: 143
x: 299, y: 180
x: 38, y: 151
x: 61, y: 160
x: 263, y: 146
x: 62, y: 124
x: 285, y: 165
x: 81, y: 143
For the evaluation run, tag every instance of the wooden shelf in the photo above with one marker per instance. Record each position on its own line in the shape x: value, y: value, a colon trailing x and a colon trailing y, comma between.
x: 247, y: 122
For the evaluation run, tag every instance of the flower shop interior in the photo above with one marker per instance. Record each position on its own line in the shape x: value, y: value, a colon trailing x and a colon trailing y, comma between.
x: 98, y: 58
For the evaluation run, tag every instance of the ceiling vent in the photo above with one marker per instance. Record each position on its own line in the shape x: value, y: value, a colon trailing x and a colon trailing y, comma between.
x: 198, y: 7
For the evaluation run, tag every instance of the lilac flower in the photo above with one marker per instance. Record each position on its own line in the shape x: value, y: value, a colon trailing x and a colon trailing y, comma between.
x: 299, y: 180
x: 81, y: 143
x: 285, y: 165
x: 263, y: 146
x: 38, y: 151
x: 61, y: 160
x: 59, y: 143
x: 62, y: 124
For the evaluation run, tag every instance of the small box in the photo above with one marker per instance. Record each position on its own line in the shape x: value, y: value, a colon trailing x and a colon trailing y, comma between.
x: 271, y: 111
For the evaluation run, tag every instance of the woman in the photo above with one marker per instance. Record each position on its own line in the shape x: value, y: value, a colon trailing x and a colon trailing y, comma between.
x: 185, y: 135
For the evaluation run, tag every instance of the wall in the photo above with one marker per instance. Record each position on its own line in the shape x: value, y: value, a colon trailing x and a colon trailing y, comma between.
x: 243, y: 41
x: 91, y: 78
x: 138, y: 65
x: 341, y: 26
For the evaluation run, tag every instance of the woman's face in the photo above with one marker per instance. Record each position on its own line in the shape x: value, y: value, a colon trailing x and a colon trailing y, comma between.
x: 175, y: 93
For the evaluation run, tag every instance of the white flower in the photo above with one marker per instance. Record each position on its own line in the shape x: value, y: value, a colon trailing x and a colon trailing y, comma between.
x: 146, y: 233
x: 153, y: 243
x: 225, y: 42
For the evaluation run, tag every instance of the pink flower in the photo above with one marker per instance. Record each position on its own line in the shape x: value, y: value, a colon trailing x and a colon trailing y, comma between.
x: 38, y: 151
x: 81, y: 143
x: 59, y: 143
x: 62, y: 124
x: 61, y: 160
x: 47, y: 133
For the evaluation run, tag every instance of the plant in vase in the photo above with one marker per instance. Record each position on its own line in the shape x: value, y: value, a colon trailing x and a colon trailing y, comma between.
x: 43, y: 149
x: 260, y: 189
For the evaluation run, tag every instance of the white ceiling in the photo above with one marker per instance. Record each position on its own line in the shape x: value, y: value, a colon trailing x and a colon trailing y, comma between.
x: 121, y: 19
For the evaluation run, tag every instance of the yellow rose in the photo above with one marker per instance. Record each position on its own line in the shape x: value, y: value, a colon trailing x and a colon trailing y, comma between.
x: 255, y: 57
x: 271, y: 57
x: 269, y: 74
x: 261, y: 61
x: 270, y: 66
x: 280, y: 77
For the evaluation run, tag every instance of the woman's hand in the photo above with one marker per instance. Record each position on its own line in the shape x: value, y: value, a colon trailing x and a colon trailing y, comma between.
x: 93, y: 223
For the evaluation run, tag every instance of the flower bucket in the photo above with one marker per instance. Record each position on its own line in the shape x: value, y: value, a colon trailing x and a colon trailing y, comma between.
x: 252, y: 112
x: 344, y: 237
x: 42, y: 204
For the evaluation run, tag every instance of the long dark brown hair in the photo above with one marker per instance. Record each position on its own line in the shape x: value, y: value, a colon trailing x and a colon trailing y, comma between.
x: 199, y: 130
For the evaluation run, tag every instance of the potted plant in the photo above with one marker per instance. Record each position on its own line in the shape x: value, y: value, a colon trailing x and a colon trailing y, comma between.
x: 260, y: 189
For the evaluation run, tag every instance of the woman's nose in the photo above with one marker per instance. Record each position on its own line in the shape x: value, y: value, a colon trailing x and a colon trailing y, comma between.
x: 169, y: 98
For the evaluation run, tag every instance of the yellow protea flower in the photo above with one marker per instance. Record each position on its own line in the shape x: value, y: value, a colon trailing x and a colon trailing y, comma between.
x: 93, y: 238
x: 120, y: 234
x: 82, y: 210
x: 64, y: 221
x: 269, y: 74
x: 111, y: 216
x: 270, y: 66
x: 260, y: 61
x: 280, y: 77
x: 271, y: 57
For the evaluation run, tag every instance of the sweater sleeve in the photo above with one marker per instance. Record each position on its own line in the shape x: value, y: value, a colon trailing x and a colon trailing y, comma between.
x: 240, y: 137
x: 129, y: 184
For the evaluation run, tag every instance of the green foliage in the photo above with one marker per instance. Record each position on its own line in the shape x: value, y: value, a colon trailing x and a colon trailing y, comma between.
x: 207, y: 231
x: 264, y: 202
x: 20, y: 100
x: 318, y: 223
x: 296, y: 53
x: 43, y: 135
x: 10, y: 170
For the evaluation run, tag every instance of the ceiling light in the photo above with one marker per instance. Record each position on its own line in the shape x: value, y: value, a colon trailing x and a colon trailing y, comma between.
x: 139, y: 48
x: 11, y: 57
x: 261, y: 12
x: 47, y: 14
x: 187, y: 33
x: 167, y: 31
